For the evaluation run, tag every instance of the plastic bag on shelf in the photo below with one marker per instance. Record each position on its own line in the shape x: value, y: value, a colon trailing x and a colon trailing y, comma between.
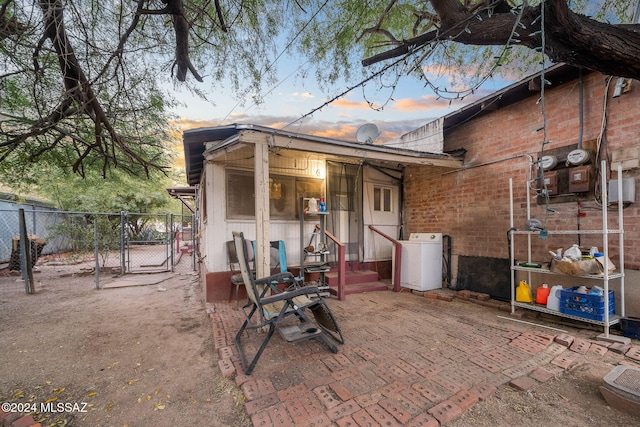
x: 587, y: 266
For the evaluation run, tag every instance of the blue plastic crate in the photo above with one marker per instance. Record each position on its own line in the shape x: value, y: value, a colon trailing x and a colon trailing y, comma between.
x: 630, y: 327
x: 585, y: 305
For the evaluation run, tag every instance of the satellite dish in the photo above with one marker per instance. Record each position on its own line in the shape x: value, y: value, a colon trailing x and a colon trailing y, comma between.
x: 367, y: 133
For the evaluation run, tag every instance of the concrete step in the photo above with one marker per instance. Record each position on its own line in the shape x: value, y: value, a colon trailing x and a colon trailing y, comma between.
x: 352, y: 277
x: 358, y: 288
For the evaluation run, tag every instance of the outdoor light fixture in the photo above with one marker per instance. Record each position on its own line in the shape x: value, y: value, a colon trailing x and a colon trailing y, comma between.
x: 275, y: 189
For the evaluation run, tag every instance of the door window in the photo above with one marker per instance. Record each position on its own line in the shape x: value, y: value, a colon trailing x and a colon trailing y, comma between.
x: 382, y: 199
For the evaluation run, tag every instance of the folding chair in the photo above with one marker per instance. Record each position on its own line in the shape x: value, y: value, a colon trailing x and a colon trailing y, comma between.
x: 278, y: 256
x: 281, y: 309
x: 321, y: 312
x: 234, y: 268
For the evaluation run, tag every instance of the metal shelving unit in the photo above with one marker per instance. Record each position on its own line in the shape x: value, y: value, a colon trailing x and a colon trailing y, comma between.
x: 315, y: 261
x: 603, y: 278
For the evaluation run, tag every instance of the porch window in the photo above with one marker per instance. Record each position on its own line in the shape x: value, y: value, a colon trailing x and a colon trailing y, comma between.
x: 382, y: 199
x: 240, y: 195
x: 284, y: 194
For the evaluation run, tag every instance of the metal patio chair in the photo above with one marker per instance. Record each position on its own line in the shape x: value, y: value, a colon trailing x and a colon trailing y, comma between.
x: 289, y: 310
x: 278, y: 255
x: 320, y: 311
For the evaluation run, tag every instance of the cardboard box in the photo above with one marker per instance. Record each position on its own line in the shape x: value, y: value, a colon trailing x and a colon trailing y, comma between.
x: 578, y: 268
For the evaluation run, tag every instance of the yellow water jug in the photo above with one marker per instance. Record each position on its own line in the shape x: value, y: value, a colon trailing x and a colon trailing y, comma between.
x: 523, y: 292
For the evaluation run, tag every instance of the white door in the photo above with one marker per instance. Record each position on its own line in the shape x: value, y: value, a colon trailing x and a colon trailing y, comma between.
x: 381, y: 209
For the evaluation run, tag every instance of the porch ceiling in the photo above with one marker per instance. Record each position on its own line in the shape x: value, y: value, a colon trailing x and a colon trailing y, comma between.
x: 234, y: 144
x: 243, y: 157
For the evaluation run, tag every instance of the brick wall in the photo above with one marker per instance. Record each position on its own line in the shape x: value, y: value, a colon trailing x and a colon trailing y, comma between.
x: 472, y: 205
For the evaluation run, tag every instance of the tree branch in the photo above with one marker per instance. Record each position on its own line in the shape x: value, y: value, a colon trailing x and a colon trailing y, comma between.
x: 9, y: 26
x: 581, y: 41
x: 80, y: 91
x: 570, y: 38
x: 406, y: 47
x: 181, y: 29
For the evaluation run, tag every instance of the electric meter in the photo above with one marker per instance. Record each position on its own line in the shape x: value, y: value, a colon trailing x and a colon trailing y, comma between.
x: 578, y: 157
x: 548, y: 162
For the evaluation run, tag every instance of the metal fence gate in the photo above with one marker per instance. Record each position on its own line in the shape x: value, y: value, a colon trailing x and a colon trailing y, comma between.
x: 157, y: 242
x: 96, y: 243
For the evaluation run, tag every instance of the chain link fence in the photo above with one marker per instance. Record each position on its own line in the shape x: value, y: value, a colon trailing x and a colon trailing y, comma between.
x: 158, y: 242
x: 94, y: 243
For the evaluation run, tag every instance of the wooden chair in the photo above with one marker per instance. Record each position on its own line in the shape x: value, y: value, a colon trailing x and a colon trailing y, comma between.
x: 288, y: 310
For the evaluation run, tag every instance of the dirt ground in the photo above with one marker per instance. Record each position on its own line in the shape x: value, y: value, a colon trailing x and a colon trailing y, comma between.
x: 571, y: 400
x: 144, y: 355
x: 129, y: 356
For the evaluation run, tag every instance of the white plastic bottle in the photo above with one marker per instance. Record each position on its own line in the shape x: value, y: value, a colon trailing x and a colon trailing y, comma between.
x: 553, y: 300
x: 573, y: 253
x: 313, y: 205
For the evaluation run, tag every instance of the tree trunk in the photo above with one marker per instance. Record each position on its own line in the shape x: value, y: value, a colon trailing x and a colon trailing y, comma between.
x: 578, y: 40
x: 570, y: 38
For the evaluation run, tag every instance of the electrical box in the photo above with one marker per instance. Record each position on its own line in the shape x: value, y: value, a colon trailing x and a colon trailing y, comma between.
x: 550, y: 182
x: 628, y: 190
x: 579, y: 178
x: 569, y: 173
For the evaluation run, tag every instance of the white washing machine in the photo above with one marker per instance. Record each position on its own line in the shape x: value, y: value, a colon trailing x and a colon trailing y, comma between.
x: 421, y: 267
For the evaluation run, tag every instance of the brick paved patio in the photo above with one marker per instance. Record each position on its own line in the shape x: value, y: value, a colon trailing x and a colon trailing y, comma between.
x: 411, y: 360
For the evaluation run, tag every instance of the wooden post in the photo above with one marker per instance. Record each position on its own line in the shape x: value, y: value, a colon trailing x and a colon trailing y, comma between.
x: 261, y: 162
x: 123, y: 260
x: 96, y: 251
x: 25, y: 255
x: 397, y: 268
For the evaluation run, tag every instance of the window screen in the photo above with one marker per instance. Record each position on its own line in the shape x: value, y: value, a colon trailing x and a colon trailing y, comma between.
x: 284, y: 194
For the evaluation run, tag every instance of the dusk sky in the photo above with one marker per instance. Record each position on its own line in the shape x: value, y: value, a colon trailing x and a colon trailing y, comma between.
x: 411, y: 105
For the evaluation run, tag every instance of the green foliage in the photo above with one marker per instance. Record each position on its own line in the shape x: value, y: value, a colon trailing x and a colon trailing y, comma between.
x: 40, y: 119
x: 77, y: 233
x: 346, y: 31
x: 118, y: 191
x: 126, y: 67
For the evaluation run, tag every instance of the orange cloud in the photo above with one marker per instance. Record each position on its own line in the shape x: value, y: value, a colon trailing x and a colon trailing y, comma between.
x: 185, y: 124
x: 347, y: 132
x: 344, y: 132
x: 345, y: 103
x: 424, y: 103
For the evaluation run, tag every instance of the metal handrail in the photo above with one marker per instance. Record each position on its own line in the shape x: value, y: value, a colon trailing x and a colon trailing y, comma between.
x: 342, y: 265
x: 397, y: 268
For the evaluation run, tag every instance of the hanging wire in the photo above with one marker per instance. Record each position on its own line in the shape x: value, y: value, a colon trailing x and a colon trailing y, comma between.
x: 543, y: 83
x: 450, y: 95
x: 602, y: 141
x: 271, y: 65
x: 382, y: 84
x: 461, y: 94
x: 346, y: 91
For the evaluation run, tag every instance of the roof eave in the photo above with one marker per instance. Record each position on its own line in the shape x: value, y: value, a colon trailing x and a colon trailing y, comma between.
x: 554, y: 75
x: 326, y: 146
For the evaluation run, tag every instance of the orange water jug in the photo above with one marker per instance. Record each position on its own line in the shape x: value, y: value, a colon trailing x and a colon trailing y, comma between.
x: 542, y: 294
